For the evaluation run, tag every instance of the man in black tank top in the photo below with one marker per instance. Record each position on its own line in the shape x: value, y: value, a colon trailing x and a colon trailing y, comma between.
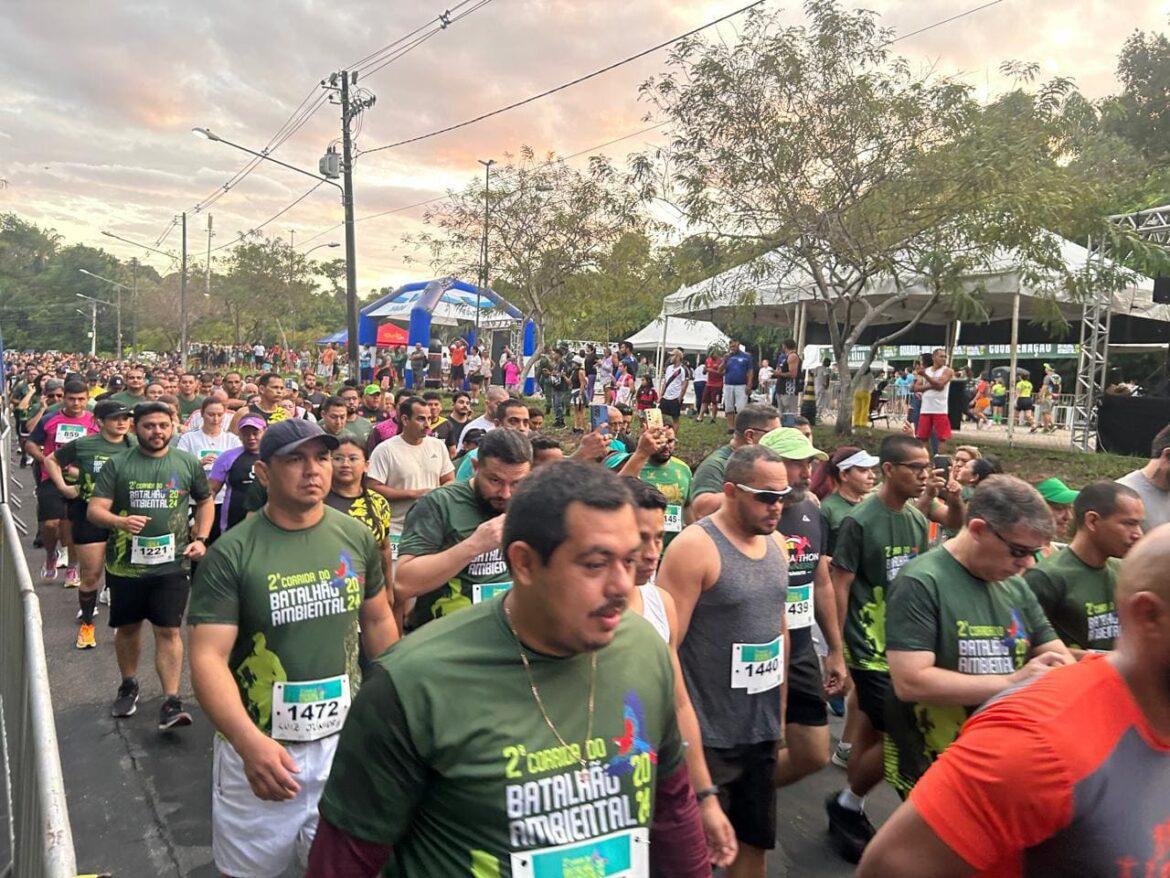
x: 728, y: 575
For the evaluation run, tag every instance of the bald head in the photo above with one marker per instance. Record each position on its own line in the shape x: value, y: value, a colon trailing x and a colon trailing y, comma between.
x: 1144, y: 568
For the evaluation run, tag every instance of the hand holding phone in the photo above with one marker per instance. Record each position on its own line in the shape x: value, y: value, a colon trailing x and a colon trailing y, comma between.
x: 653, y: 418
x: 599, y: 418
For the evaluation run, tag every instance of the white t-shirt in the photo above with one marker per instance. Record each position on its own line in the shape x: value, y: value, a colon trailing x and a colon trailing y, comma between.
x: 765, y: 374
x: 673, y: 380
x: 1156, y: 501
x: 934, y: 402
x: 700, y: 373
x: 207, y: 448
x: 398, y: 464
x: 480, y: 423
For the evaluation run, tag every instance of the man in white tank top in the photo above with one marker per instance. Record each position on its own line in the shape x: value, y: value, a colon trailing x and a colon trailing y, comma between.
x: 935, y: 383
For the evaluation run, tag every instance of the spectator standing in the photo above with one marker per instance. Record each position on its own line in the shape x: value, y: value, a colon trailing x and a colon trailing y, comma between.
x: 1152, y: 481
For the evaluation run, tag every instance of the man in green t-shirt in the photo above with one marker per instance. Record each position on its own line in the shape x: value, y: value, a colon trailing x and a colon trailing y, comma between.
x: 275, y: 615
x: 142, y: 497
x: 707, y: 485
x: 86, y: 457
x: 190, y: 399
x: 1075, y: 584
x: 570, y: 746
x: 653, y: 462
x: 962, y: 626
x: 450, y: 554
x: 135, y: 391
x: 355, y: 424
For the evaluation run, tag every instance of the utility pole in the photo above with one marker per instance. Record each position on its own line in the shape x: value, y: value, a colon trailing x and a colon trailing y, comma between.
x: 118, y: 292
x: 350, y: 247
x: 487, y: 185
x: 183, y: 301
x: 93, y: 329
x: 134, y: 305
x: 207, y: 278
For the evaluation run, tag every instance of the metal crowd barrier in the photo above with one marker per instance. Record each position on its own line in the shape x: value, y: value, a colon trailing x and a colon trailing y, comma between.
x: 40, y: 840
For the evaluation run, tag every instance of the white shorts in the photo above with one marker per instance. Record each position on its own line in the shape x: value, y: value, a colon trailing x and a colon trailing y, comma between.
x: 251, y: 838
x: 735, y: 397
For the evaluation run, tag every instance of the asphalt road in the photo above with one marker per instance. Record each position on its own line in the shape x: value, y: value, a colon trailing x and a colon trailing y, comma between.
x: 139, y: 800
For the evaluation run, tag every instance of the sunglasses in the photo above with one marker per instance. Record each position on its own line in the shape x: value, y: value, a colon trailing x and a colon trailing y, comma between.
x: 768, y: 498
x: 1015, y: 549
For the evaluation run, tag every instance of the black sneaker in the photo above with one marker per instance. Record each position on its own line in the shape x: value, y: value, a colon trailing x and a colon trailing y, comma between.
x: 127, y: 701
x: 849, y: 831
x: 172, y: 715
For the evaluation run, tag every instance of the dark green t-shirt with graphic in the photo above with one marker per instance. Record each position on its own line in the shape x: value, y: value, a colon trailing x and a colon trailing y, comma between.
x: 873, y: 543
x: 672, y: 478
x: 1077, y: 598
x: 708, y: 477
x: 89, y: 454
x: 442, y: 518
x: 295, y: 596
x: 972, y: 627
x: 160, y: 488
x: 834, y: 508
x: 480, y: 786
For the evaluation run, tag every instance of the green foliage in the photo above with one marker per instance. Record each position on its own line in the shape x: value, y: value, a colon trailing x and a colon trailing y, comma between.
x: 1141, y: 113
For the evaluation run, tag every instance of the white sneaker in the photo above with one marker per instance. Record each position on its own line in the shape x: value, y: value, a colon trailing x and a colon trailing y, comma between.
x: 95, y: 613
x: 62, y: 557
x: 104, y: 596
x: 840, y: 756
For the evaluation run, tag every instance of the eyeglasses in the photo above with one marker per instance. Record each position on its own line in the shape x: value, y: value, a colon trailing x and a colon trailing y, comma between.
x: 347, y: 458
x: 768, y: 498
x: 1015, y: 549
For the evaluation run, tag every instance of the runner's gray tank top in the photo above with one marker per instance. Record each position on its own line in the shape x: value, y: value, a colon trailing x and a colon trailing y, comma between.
x: 729, y: 657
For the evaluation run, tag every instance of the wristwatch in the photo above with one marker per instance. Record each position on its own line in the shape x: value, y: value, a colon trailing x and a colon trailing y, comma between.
x: 199, y: 540
x: 707, y: 793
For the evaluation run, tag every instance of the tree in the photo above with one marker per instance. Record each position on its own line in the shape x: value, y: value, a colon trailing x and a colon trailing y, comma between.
x: 1141, y: 113
x: 548, y: 223
x: 819, y: 149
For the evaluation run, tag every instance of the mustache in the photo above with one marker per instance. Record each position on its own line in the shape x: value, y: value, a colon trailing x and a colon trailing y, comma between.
x: 618, y: 606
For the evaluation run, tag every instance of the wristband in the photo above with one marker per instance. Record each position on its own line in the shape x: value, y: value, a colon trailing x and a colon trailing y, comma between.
x: 707, y: 793
x: 199, y: 540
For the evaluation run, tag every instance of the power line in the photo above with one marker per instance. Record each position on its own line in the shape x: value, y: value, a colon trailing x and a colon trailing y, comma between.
x: 956, y: 17
x: 563, y: 86
x: 443, y: 20
x: 271, y: 219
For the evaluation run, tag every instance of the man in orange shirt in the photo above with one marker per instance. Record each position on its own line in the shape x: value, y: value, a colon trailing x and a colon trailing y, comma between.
x: 1069, y: 776
x: 458, y: 351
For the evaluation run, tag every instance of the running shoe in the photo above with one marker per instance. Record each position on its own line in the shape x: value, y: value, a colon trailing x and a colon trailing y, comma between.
x: 104, y: 596
x: 837, y: 705
x: 62, y: 556
x: 127, y: 701
x: 72, y: 577
x: 171, y: 714
x: 849, y: 831
x: 48, y: 573
x: 85, y: 636
x: 840, y: 756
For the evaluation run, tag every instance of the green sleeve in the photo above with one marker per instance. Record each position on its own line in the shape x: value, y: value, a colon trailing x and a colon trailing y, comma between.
x: 422, y: 531
x: 847, y: 548
x: 106, y: 484
x: 706, y: 481
x: 215, y: 592
x: 66, y: 455
x: 378, y: 776
x: 1039, y: 627
x: 375, y: 577
x: 912, y: 615
x: 1046, y: 591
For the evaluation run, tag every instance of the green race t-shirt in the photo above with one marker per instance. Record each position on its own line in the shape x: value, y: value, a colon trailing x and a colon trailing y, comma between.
x: 439, y: 520
x: 128, y: 399
x: 186, y: 407
x: 295, y: 596
x: 89, y: 454
x: 708, y: 477
x: 1077, y: 598
x: 873, y: 543
x: 359, y: 428
x: 478, y: 787
x: 672, y: 478
x: 972, y: 627
x: 834, y: 508
x: 159, y: 488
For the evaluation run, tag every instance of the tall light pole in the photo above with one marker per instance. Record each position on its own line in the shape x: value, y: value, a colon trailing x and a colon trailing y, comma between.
x: 350, y: 255
x: 134, y: 267
x: 483, y: 271
x: 119, y: 287
x: 319, y: 246
x: 93, y: 303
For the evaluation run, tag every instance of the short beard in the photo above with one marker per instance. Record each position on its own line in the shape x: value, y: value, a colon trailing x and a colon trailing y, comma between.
x: 796, y: 495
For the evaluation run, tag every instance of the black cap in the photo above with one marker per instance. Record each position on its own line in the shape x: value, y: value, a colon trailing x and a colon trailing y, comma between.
x: 115, y: 383
x: 107, y: 408
x: 285, y: 437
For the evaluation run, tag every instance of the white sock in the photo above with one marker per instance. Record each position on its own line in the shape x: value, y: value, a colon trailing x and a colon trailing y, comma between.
x: 848, y: 799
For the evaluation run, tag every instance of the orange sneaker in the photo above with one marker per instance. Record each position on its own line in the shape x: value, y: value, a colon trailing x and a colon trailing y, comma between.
x: 85, y: 636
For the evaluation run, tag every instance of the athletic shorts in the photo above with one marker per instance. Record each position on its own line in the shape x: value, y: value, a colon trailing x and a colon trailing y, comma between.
x: 477, y: 378
x: 712, y: 395
x: 83, y: 530
x: 160, y: 600
x: 735, y: 397
x: 939, y: 424
x: 745, y: 777
x: 457, y: 372
x: 252, y: 838
x: 1024, y: 403
x: 671, y: 407
x: 806, y: 693
x: 50, y: 503
x: 873, y: 690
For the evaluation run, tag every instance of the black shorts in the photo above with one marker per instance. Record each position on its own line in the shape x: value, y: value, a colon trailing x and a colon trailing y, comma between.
x: 806, y: 693
x: 477, y: 378
x: 873, y: 689
x: 83, y: 530
x: 747, y: 792
x: 457, y: 372
x: 50, y: 503
x: 160, y: 600
x: 671, y: 407
x: 1024, y: 403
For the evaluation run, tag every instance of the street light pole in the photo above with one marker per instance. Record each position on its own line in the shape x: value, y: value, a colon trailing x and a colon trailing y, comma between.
x: 183, y: 302
x: 93, y: 303
x: 118, y: 302
x: 487, y: 183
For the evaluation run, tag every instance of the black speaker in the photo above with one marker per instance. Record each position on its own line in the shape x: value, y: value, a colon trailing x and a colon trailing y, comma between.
x: 1162, y: 290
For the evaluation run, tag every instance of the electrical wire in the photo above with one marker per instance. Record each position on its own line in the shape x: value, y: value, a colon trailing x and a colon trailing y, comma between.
x: 271, y: 219
x: 443, y: 20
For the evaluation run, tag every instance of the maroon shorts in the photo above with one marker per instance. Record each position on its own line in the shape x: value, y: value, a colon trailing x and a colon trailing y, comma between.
x: 940, y: 425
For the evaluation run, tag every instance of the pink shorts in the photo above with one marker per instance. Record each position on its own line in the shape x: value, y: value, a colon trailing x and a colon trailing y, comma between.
x: 939, y: 424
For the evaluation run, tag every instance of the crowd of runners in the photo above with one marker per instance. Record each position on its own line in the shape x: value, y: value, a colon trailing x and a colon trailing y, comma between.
x: 433, y: 640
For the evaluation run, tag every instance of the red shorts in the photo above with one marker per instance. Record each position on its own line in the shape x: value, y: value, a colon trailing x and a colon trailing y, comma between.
x: 939, y: 424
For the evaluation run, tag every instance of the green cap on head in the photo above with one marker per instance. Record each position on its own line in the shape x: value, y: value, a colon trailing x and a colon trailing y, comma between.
x: 791, y: 444
x: 1056, y: 491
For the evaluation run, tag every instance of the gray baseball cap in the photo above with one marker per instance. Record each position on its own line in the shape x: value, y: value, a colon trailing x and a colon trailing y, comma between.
x: 285, y: 437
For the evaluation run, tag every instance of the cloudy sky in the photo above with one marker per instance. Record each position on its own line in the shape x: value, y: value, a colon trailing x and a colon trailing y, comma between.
x: 97, y: 99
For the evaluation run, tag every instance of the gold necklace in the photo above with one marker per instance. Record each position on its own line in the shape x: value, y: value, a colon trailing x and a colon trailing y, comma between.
x: 536, y: 693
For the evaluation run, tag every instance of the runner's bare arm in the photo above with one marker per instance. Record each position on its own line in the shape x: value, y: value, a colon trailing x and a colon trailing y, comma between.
x: 915, y: 678
x: 58, y: 478
x: 825, y: 611
x: 842, y: 581
x: 705, y: 504
x: 204, y: 516
x: 379, y: 632
x: 419, y: 574
x: 100, y: 513
x: 907, y: 847
x: 683, y: 574
x: 1057, y: 647
x: 396, y: 494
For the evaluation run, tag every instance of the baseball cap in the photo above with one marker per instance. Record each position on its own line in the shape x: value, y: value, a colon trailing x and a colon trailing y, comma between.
x: 252, y: 421
x: 791, y: 444
x: 372, y: 389
x: 285, y: 437
x: 108, y: 408
x: 115, y: 383
x: 1056, y: 491
x: 863, y: 459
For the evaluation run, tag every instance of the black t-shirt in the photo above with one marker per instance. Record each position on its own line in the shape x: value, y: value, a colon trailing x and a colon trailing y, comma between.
x: 807, y: 538
x: 240, y: 478
x: 590, y: 365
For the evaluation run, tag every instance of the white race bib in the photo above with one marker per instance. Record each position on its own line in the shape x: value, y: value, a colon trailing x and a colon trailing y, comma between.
x: 67, y: 433
x: 309, y: 710
x: 485, y: 591
x: 799, y: 606
x: 148, y: 551
x: 617, y: 855
x: 395, y: 539
x: 757, y: 667
x: 207, y: 458
x: 674, y: 518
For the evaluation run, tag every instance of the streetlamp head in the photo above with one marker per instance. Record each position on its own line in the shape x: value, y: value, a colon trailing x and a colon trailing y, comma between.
x: 83, y: 271
x: 205, y: 133
x: 333, y: 244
